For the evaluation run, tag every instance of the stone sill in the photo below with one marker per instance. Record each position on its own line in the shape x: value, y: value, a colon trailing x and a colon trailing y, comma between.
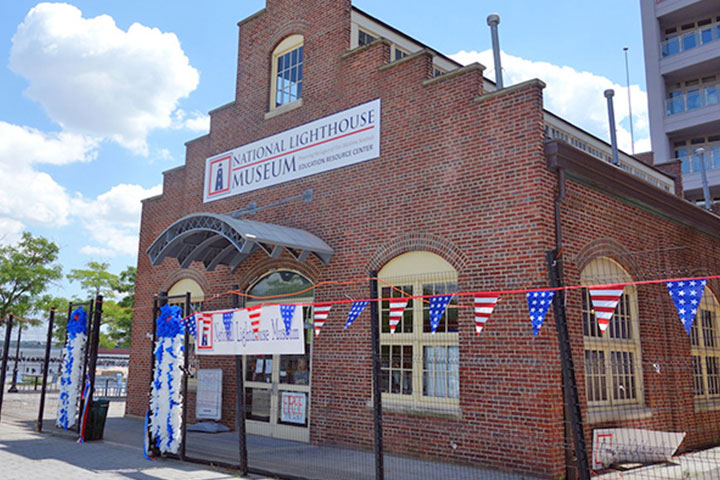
x: 414, y: 410
x: 615, y: 414
x: 283, y: 109
x: 707, y: 405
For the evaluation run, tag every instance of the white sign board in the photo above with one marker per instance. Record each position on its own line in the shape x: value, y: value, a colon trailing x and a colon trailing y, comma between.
x: 208, y: 402
x: 618, y: 445
x: 234, y: 332
x: 293, y: 407
x: 338, y: 140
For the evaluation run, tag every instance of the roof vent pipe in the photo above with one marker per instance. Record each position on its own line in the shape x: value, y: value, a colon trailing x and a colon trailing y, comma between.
x: 609, y: 93
x: 493, y: 20
x: 700, y: 152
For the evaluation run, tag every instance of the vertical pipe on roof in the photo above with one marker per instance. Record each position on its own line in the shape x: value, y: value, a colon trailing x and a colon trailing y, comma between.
x: 493, y: 20
x: 609, y: 93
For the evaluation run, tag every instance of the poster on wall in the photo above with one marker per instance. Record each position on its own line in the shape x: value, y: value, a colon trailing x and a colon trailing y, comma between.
x: 293, y: 407
x: 245, y: 332
x: 208, y: 403
x: 335, y: 141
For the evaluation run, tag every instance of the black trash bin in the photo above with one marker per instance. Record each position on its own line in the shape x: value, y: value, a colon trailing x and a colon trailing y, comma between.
x: 96, y: 421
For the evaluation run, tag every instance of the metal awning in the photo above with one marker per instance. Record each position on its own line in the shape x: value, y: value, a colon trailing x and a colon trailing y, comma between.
x: 217, y: 239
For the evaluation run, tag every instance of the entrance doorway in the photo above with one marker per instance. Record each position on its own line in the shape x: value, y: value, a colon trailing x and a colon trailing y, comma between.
x: 277, y: 387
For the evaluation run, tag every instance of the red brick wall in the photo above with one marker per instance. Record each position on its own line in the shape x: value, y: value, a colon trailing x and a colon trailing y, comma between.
x: 459, y: 176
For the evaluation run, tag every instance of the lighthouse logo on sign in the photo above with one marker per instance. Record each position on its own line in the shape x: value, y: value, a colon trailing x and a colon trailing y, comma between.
x: 219, y: 176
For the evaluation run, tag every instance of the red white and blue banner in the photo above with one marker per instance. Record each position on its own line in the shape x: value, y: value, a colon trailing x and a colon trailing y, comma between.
x: 605, y: 300
x: 255, y: 330
x: 686, y: 296
x: 335, y: 141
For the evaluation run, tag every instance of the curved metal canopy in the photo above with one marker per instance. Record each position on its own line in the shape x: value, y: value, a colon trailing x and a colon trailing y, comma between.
x: 217, y: 239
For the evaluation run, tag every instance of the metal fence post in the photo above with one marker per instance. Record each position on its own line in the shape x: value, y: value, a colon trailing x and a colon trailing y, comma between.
x: 186, y: 363
x: 377, y: 393
x: 46, y: 367
x: 240, y: 401
x: 6, y: 351
x: 572, y: 401
x: 13, y: 386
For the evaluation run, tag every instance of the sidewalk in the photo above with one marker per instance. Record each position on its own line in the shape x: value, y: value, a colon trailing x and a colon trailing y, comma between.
x: 26, y: 455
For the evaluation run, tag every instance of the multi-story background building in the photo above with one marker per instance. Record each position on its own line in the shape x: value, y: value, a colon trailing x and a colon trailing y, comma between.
x: 682, y: 67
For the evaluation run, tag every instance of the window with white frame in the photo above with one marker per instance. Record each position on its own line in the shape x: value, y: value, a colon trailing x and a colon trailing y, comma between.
x: 613, y: 366
x: 417, y: 366
x: 705, y: 348
x: 287, y: 71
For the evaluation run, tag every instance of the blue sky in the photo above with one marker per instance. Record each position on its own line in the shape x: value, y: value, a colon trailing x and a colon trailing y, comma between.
x: 93, y: 108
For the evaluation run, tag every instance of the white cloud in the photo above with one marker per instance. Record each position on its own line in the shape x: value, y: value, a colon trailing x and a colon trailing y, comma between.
x: 113, y: 218
x: 96, y: 252
x: 576, y: 96
x: 10, y: 231
x: 197, y: 122
x: 96, y: 79
x: 29, y: 195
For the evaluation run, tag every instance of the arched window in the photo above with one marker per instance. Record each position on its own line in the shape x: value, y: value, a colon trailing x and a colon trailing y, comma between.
x: 418, y: 366
x: 197, y: 297
x: 705, y: 348
x: 287, y: 72
x: 613, y: 366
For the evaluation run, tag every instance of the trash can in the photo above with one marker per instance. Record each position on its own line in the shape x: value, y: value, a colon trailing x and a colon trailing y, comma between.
x: 96, y: 421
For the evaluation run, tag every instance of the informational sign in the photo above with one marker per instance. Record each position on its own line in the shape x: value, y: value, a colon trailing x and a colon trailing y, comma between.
x: 293, y: 407
x: 208, y: 403
x: 230, y: 332
x: 618, y: 445
x: 335, y: 141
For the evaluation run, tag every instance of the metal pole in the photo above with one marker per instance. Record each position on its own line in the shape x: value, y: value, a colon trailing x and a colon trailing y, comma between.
x: 13, y: 387
x: 157, y: 302
x: 572, y: 401
x: 627, y: 78
x: 493, y: 20
x: 6, y: 351
x: 240, y: 401
x: 46, y: 367
x: 609, y: 93
x: 186, y: 359
x: 92, y: 354
x: 700, y: 152
x: 377, y: 392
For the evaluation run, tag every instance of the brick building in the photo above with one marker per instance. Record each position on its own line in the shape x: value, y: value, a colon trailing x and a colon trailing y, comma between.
x: 464, y: 189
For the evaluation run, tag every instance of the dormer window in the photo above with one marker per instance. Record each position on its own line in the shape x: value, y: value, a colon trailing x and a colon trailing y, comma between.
x: 287, y: 71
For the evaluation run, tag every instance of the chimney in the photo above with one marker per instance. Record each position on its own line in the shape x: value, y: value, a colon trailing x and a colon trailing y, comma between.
x: 493, y: 20
x: 609, y: 93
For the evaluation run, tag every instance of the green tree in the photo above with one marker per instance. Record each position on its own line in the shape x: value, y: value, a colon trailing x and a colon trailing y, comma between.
x: 26, y: 270
x: 117, y: 316
x: 95, y: 279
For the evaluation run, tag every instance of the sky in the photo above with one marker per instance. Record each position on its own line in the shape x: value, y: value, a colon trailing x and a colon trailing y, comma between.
x: 97, y: 98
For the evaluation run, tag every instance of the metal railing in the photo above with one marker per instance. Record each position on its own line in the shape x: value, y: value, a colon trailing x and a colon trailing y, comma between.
x: 688, y: 40
x: 693, y: 100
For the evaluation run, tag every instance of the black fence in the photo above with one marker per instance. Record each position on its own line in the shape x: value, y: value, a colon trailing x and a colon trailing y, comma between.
x: 635, y: 395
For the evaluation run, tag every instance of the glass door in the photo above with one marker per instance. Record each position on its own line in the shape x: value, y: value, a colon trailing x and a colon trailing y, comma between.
x: 277, y: 392
x: 277, y: 387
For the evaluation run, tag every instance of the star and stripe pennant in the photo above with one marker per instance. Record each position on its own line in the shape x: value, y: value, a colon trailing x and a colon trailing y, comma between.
x: 686, y: 296
x: 190, y: 325
x: 254, y: 314
x: 538, y: 304
x: 604, y: 301
x: 484, y: 305
x: 437, y: 308
x: 396, y: 308
x: 356, y: 309
x: 287, y: 312
x: 320, y: 314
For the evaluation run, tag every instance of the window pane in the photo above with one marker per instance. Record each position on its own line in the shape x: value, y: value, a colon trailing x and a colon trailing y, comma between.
x: 440, y: 372
x: 396, y: 369
x: 595, y: 376
x: 623, y: 376
x: 698, y: 384
x: 713, y: 375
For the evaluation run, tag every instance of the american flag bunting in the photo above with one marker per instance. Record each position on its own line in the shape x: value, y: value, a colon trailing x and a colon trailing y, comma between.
x: 604, y: 301
x: 538, y: 304
x: 355, y: 311
x: 190, y: 324
x: 320, y: 314
x: 287, y: 312
x: 397, y: 308
x: 254, y: 314
x: 437, y: 308
x: 484, y: 305
x: 686, y: 296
